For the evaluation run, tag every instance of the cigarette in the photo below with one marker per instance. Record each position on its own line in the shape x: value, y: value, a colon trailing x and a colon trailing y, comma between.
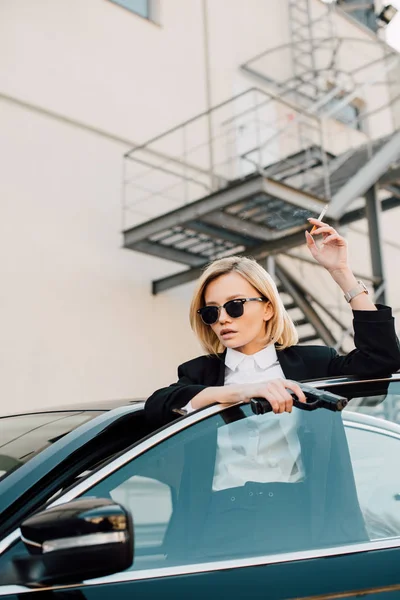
x: 321, y: 216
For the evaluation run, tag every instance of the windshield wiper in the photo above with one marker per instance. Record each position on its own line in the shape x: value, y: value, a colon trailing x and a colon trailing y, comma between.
x: 315, y: 399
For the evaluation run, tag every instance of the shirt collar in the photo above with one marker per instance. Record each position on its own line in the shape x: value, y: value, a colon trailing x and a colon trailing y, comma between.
x: 264, y: 358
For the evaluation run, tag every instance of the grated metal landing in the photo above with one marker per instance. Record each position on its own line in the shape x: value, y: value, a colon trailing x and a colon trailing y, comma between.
x: 258, y: 215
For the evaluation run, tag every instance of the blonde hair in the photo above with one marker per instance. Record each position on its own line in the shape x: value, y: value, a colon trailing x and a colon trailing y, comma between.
x: 280, y: 327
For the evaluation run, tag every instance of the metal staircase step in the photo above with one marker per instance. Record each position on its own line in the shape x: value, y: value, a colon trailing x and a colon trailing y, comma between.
x: 308, y: 338
x: 345, y: 170
x: 299, y: 322
x: 290, y: 306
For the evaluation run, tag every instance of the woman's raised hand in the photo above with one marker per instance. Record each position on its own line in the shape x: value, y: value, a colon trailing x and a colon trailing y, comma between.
x: 331, y: 253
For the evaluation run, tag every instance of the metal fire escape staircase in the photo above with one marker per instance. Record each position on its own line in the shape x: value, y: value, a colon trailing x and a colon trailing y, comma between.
x: 250, y: 217
x: 258, y: 167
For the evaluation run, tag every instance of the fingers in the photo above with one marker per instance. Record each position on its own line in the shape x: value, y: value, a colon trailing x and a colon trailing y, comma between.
x: 309, y: 239
x: 330, y: 235
x: 323, y: 229
x: 318, y: 225
x: 317, y: 222
x: 296, y: 389
x: 312, y: 246
x: 278, y: 395
x: 335, y: 237
x: 328, y: 232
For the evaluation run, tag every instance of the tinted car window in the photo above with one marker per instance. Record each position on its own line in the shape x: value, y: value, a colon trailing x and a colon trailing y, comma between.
x: 23, y: 436
x: 372, y: 424
x: 152, y: 502
x: 379, y: 399
x: 374, y: 453
x: 238, y: 485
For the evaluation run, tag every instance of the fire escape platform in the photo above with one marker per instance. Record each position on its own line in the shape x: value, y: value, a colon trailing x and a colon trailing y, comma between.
x: 258, y: 215
x: 345, y: 166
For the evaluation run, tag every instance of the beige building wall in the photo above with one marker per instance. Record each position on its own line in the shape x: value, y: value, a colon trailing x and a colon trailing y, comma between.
x: 80, y: 82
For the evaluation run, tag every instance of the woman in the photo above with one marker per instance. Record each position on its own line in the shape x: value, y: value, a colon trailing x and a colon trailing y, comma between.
x: 250, y: 339
x: 254, y: 480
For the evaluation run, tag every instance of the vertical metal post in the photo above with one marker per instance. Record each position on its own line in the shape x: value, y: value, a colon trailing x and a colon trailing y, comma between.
x: 258, y: 133
x: 325, y: 160
x: 373, y: 211
x: 311, y: 46
x: 123, y: 195
x: 270, y: 266
x: 185, y: 169
x: 213, y: 179
x: 306, y: 42
x: 303, y: 66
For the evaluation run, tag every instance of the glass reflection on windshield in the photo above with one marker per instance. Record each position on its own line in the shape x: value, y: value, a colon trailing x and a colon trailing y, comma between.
x: 23, y: 436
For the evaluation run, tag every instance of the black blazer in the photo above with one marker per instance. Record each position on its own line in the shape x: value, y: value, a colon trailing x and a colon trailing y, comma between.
x: 377, y: 352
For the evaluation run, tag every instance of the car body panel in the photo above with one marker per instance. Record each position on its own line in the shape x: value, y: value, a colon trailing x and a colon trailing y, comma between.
x: 370, y: 569
x: 336, y: 576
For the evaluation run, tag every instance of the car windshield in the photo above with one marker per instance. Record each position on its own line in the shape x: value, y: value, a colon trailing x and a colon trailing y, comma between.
x: 24, y: 436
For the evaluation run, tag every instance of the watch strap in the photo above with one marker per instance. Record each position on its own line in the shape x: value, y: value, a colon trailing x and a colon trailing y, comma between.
x: 360, y: 288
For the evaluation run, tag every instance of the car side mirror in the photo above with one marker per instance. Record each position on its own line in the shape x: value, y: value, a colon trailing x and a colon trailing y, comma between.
x: 81, y: 539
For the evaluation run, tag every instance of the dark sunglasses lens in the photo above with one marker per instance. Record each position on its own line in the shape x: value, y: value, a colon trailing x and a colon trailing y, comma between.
x: 209, y: 314
x: 234, y: 308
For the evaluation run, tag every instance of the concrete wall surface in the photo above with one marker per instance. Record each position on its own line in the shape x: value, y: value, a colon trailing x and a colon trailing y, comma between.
x: 82, y: 81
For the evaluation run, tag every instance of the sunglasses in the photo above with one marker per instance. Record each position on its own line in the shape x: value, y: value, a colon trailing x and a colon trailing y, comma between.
x: 234, y: 308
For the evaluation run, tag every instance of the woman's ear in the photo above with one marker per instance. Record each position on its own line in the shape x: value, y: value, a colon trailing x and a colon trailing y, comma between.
x: 268, y: 311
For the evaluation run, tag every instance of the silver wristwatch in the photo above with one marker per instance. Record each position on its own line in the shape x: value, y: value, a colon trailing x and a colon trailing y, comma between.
x: 361, y: 288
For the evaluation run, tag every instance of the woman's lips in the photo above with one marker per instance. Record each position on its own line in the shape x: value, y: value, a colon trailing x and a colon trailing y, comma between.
x: 227, y: 333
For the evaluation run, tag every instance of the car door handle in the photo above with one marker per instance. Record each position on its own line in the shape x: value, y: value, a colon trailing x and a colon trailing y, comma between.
x: 315, y: 399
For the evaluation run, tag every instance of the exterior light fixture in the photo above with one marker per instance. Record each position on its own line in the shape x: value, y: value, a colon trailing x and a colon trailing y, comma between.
x: 387, y: 13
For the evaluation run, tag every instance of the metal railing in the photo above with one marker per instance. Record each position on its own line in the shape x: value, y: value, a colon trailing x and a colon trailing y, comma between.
x: 253, y: 132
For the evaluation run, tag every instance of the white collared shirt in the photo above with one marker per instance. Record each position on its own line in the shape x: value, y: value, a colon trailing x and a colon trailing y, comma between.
x: 260, y: 448
x: 250, y: 368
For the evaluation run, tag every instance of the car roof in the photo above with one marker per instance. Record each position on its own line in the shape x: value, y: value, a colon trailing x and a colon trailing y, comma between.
x: 102, y: 406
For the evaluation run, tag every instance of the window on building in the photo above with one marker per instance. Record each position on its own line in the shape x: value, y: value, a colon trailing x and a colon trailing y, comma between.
x: 363, y: 12
x: 140, y: 7
x: 348, y: 114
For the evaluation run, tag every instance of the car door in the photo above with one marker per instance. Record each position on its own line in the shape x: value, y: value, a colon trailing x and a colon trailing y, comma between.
x: 228, y: 503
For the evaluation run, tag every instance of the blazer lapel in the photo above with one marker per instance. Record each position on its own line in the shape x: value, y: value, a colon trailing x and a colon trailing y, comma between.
x: 221, y: 369
x: 214, y: 374
x: 292, y: 364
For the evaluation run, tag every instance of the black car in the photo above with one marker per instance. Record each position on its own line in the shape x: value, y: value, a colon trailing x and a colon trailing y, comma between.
x: 95, y: 503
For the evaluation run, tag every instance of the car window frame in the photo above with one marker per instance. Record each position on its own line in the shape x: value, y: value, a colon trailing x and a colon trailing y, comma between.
x: 157, y: 438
